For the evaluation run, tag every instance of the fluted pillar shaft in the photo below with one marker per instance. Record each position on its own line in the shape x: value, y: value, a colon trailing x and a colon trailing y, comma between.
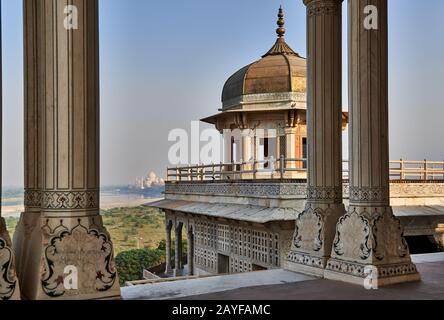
x: 368, y: 83
x: 66, y: 60
x: 314, y: 232
x: 9, y: 286
x: 369, y: 236
x: 28, y: 234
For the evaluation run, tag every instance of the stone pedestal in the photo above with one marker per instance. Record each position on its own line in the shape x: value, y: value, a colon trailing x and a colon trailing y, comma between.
x: 27, y: 248
x: 9, y: 285
x: 315, y: 226
x: 72, y: 255
x: 369, y: 242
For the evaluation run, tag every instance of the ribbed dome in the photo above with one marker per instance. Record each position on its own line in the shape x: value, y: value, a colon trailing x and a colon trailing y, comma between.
x: 272, y: 74
x: 280, y: 70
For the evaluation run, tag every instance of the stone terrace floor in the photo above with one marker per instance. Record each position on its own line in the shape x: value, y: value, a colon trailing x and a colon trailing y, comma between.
x: 284, y: 285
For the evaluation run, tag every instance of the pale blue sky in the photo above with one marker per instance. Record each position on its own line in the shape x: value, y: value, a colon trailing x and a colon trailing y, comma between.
x: 163, y: 64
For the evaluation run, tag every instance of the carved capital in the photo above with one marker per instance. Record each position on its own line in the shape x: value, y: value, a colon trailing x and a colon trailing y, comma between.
x: 323, y: 7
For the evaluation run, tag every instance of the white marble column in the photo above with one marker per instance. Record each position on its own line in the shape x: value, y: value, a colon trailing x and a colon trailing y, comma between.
x: 369, y: 238
x: 28, y: 234
x: 291, y: 147
x: 9, y: 286
x: 247, y: 145
x: 247, y: 152
x: 315, y: 226
x: 74, y: 240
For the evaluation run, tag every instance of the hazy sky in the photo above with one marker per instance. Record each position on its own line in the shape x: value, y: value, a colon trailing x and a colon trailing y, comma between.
x: 163, y: 64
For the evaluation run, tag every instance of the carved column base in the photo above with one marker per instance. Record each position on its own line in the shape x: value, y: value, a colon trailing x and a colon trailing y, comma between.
x: 313, y: 238
x: 370, y: 242
x: 27, y: 249
x: 9, y: 287
x: 357, y: 273
x: 81, y: 244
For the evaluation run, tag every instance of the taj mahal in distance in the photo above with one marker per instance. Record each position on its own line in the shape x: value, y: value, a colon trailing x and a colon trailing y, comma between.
x: 282, y: 206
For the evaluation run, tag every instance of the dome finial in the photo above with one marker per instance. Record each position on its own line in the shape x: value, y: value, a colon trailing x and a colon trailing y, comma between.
x: 281, y: 23
x: 280, y: 47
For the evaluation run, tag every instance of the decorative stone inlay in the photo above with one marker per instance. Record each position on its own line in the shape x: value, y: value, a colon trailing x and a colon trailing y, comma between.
x: 306, y: 260
x: 298, y: 188
x: 352, y: 236
x: 371, y: 236
x: 324, y: 193
x: 88, y: 199
x: 411, y: 188
x: 33, y: 198
x: 388, y: 237
x: 313, y: 236
x: 370, y: 195
x: 384, y: 271
x: 8, y: 280
x: 246, y: 188
x: 308, y: 230
x: 86, y: 249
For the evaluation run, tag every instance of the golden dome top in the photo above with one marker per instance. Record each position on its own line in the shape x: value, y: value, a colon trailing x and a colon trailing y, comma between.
x: 280, y: 70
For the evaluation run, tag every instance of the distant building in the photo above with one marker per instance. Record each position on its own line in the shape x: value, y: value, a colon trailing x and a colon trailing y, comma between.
x: 247, y: 224
x: 240, y: 215
x: 149, y: 181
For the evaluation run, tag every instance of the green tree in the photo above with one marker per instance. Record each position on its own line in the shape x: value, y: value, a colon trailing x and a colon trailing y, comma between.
x: 130, y: 264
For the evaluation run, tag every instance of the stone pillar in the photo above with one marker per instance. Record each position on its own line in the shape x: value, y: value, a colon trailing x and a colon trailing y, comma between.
x: 9, y: 287
x: 178, y: 250
x: 315, y: 226
x: 247, y: 151
x: 190, y: 251
x: 169, y: 268
x: 227, y: 147
x: 291, y: 139
x: 28, y: 234
x: 369, y: 238
x: 75, y: 246
x: 247, y: 145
